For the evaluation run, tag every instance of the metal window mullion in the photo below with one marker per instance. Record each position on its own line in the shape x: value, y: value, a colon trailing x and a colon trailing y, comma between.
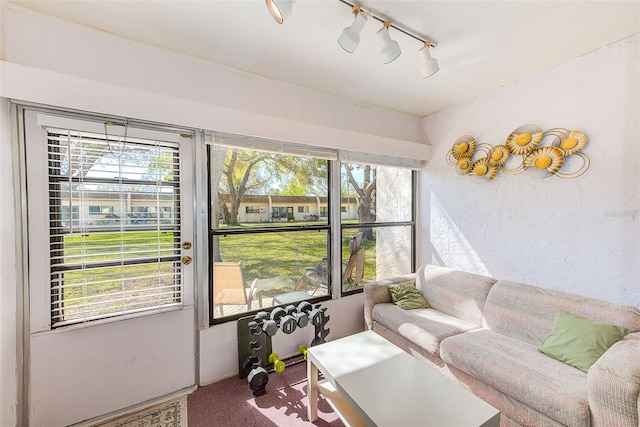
x: 116, y: 263
x: 260, y: 230
x: 379, y: 224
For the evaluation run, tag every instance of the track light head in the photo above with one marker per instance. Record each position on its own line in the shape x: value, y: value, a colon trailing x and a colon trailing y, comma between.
x: 350, y: 36
x: 390, y: 49
x: 280, y: 9
x: 428, y: 65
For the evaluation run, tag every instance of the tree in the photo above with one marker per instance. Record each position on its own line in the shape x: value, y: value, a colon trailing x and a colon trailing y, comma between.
x: 366, y: 195
x: 251, y: 172
x: 237, y: 179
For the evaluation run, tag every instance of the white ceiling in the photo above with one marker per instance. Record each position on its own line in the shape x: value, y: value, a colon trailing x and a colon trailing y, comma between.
x: 482, y: 45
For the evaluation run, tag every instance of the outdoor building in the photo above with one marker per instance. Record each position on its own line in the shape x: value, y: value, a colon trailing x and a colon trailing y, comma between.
x: 265, y: 208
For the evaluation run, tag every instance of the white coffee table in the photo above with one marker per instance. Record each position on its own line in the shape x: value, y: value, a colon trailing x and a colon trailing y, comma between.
x: 371, y: 382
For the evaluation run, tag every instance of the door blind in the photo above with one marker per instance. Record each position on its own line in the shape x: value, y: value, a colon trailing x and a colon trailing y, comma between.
x: 114, y: 221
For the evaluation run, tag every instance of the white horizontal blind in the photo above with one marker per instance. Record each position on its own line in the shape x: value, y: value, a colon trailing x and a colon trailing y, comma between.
x: 114, y: 221
x: 273, y: 146
x: 381, y: 160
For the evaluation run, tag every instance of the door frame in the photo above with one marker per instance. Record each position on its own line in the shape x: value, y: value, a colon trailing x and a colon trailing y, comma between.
x: 188, y: 149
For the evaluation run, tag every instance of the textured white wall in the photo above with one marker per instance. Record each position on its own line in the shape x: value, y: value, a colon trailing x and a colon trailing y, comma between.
x: 579, y: 235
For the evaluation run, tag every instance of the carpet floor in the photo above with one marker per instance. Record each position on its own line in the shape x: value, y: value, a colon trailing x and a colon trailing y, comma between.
x: 230, y: 403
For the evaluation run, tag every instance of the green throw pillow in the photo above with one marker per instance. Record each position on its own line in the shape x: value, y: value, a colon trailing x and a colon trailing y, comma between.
x: 406, y: 296
x: 579, y: 342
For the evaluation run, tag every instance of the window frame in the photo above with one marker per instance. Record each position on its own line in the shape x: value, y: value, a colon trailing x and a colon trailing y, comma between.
x: 411, y: 223
x: 333, y: 214
x: 213, y: 232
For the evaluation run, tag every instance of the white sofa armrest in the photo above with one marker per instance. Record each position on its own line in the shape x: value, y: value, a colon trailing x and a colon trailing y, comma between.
x: 614, y: 385
x: 378, y: 292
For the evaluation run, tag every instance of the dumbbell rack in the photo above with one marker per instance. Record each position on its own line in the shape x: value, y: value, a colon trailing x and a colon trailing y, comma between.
x: 264, y: 326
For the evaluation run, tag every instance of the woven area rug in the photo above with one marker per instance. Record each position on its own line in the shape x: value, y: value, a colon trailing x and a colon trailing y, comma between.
x: 168, y: 414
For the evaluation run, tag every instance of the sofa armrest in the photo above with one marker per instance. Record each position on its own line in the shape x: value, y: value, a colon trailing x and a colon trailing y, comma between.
x: 614, y: 385
x: 377, y: 292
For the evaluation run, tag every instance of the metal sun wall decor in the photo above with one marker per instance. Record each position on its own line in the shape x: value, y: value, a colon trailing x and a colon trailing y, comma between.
x: 541, y: 154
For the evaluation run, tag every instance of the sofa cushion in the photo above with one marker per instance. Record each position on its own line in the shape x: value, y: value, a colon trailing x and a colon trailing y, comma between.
x: 406, y: 296
x: 579, y: 342
x: 456, y: 293
x: 424, y: 327
x: 519, y: 370
x: 526, y: 312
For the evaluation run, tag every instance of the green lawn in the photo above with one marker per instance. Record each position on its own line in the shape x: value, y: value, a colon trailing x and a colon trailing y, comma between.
x: 286, y: 254
x: 263, y: 255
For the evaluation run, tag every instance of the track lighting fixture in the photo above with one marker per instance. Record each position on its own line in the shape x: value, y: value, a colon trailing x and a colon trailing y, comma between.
x: 280, y: 9
x: 350, y: 36
x: 390, y: 49
x: 428, y: 65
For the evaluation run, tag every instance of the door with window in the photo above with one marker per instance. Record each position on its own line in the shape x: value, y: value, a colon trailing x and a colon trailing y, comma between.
x: 110, y: 282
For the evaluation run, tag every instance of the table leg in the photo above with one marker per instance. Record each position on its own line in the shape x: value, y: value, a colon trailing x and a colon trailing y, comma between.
x: 312, y: 391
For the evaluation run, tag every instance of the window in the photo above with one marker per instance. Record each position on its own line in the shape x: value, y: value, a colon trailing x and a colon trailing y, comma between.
x: 377, y: 222
x: 281, y: 212
x: 98, y: 210
x: 252, y: 209
x: 303, y: 209
x: 259, y: 261
x: 64, y: 215
x: 324, y: 212
x: 112, y: 258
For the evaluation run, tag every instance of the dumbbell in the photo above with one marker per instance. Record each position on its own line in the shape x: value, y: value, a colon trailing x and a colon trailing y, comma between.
x: 302, y: 349
x: 285, y: 321
x: 261, y: 316
x: 301, y: 319
x: 269, y: 326
x: 258, y: 379
x: 305, y: 307
x: 316, y: 316
x: 302, y: 316
x: 291, y: 309
x: 278, y: 365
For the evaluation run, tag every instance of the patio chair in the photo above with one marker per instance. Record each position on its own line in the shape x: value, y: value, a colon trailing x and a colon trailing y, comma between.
x: 317, y: 277
x: 229, y: 287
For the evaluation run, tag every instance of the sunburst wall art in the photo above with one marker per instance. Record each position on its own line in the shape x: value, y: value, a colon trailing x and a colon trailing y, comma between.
x: 527, y: 149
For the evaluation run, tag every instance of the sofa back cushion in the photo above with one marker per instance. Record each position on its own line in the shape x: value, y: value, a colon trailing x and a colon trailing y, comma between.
x: 453, y: 292
x: 526, y: 312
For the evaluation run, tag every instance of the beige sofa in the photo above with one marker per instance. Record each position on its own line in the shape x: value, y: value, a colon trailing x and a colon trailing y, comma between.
x: 484, y: 333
